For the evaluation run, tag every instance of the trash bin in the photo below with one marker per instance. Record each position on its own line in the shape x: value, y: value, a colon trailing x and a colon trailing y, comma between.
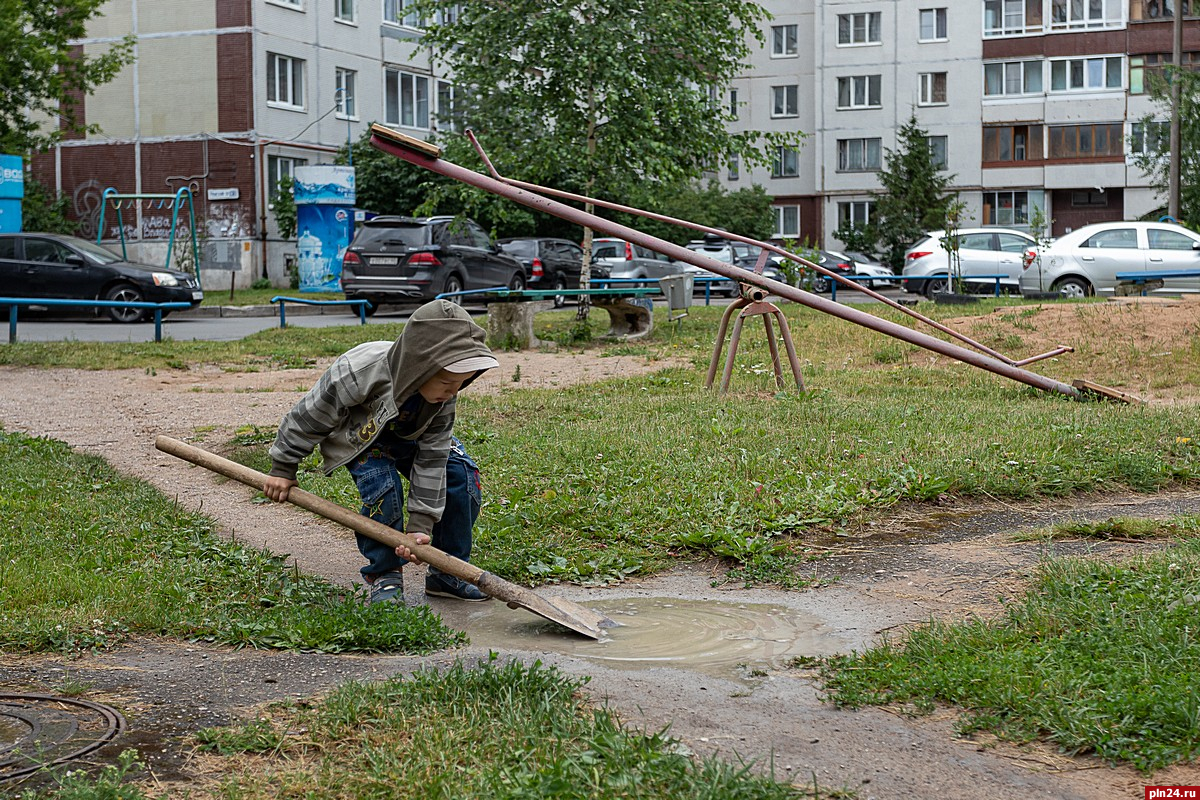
x: 678, y: 289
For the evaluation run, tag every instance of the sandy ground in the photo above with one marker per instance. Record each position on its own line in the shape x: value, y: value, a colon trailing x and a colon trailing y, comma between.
x: 945, y: 562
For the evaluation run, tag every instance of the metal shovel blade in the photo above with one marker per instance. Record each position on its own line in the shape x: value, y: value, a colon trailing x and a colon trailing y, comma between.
x: 556, y: 609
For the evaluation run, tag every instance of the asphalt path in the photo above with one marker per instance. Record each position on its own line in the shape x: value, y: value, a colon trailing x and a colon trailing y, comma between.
x: 83, y: 327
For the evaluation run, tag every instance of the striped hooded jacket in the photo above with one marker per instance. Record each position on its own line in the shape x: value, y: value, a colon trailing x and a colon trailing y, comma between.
x: 361, y: 392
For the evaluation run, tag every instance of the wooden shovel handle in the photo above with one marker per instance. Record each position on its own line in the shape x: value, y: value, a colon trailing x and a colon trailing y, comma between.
x: 322, y: 507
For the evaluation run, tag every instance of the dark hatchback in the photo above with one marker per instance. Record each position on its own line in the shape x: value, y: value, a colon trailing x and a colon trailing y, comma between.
x: 550, y: 263
x: 58, y: 267
x: 397, y: 260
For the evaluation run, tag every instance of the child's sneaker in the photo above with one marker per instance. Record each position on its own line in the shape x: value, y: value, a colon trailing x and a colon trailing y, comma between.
x: 442, y: 585
x: 388, y: 587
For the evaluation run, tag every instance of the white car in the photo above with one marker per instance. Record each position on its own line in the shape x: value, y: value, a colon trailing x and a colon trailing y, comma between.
x: 865, y: 264
x: 981, y: 252
x: 1088, y: 260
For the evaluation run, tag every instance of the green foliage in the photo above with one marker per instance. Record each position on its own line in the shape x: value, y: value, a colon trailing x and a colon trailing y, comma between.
x: 468, y: 733
x: 858, y: 238
x: 746, y: 212
x: 914, y: 196
x: 283, y: 206
x: 611, y: 101
x: 389, y: 185
x: 42, y: 72
x: 108, y: 783
x: 1096, y: 657
x: 45, y: 213
x: 142, y: 565
x: 1155, y: 160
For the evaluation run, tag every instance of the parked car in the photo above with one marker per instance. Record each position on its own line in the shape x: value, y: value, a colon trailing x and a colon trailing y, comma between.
x: 550, y: 263
x: 981, y: 251
x: 834, y: 262
x: 412, y: 260
x: 624, y: 259
x: 738, y: 254
x: 53, y: 266
x: 1086, y: 261
x: 866, y: 264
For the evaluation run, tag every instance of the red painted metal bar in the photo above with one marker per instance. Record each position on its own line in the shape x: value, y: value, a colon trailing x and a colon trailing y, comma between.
x: 767, y: 247
x: 424, y: 155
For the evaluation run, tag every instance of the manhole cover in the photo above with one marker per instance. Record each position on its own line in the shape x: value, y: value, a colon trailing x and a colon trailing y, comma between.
x: 39, y: 731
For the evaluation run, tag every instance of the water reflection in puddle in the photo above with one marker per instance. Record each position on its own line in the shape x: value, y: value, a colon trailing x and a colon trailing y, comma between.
x: 726, y: 640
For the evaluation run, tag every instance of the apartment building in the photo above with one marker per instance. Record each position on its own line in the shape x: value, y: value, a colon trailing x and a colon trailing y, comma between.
x: 226, y: 97
x: 1028, y: 104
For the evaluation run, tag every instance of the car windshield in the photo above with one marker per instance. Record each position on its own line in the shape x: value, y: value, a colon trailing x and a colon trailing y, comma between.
x: 522, y: 248
x: 402, y: 235
x: 93, y: 250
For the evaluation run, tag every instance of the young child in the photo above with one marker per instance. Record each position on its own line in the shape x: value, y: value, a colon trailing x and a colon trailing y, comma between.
x: 386, y: 409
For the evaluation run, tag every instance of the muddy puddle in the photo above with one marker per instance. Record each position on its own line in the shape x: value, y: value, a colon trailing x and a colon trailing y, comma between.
x: 736, y: 641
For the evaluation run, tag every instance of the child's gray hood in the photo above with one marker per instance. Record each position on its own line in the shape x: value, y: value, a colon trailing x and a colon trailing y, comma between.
x: 437, y: 335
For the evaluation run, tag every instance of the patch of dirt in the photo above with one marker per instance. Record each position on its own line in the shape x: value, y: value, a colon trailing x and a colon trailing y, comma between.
x: 897, y: 572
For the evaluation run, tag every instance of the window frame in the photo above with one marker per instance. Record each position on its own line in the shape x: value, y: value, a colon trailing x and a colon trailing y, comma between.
x: 399, y: 76
x: 870, y: 19
x: 931, y: 142
x: 346, y: 96
x: 868, y: 82
x: 781, y: 217
x: 927, y: 89
x: 1059, y: 132
x: 779, y: 36
x: 790, y: 94
x: 394, y: 14
x: 785, y: 163
x: 1111, y: 65
x: 279, y: 167
x: 1027, y: 66
x: 1138, y: 139
x: 864, y: 146
x: 940, y: 23
x: 848, y: 213
x: 340, y: 14
x: 295, y: 75
x: 1106, y: 20
x: 1031, y: 18
x: 1033, y: 145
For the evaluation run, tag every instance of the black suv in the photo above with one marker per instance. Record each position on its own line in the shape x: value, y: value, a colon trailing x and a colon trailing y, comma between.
x: 414, y: 259
x: 550, y: 263
x: 54, y: 266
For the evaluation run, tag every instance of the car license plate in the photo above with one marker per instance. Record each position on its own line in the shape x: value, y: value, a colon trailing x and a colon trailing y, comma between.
x: 382, y: 261
x: 197, y: 295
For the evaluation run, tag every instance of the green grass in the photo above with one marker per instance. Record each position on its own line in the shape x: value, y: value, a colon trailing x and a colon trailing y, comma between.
x: 90, y: 558
x: 217, y: 296
x: 492, y: 731
x: 1096, y: 657
x: 1130, y: 529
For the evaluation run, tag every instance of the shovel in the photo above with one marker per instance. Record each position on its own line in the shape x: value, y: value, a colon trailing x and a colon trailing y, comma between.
x: 556, y: 609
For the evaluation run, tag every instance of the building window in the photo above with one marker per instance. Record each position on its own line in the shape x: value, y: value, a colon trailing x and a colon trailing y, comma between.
x: 399, y: 12
x: 1012, y: 78
x: 347, y: 106
x: 783, y: 41
x: 859, y: 28
x: 855, y: 213
x: 733, y: 103
x: 1012, y: 143
x: 1006, y: 208
x: 933, y: 88
x: 1089, y: 198
x: 933, y: 24
x: 285, y: 81
x: 785, y: 101
x: 937, y: 151
x: 1157, y: 63
x: 1150, y: 138
x: 1011, y: 17
x: 1086, y: 141
x: 280, y: 167
x: 447, y: 113
x: 406, y: 99
x: 786, y: 163
x: 1086, y: 74
x: 787, y: 222
x: 859, y: 91
x: 735, y: 167
x: 1065, y: 14
x: 859, y: 155
x: 449, y: 15
x: 296, y: 4
x: 343, y: 10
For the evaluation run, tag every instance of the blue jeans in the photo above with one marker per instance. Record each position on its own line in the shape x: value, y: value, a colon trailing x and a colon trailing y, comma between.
x: 377, y: 474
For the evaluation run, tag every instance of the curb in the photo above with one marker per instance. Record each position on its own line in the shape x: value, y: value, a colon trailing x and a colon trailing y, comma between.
x: 294, y: 310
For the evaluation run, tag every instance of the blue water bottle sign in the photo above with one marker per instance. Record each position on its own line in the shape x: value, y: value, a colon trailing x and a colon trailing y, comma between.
x: 12, y: 191
x: 324, y: 224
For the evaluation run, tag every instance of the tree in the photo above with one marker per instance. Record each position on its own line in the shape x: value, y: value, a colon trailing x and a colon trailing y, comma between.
x: 41, y: 72
x: 914, y: 196
x: 746, y: 211
x: 1152, y: 146
x: 41, y: 211
x: 606, y: 98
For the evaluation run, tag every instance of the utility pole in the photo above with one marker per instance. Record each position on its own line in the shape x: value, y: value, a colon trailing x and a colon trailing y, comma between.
x: 1176, y: 101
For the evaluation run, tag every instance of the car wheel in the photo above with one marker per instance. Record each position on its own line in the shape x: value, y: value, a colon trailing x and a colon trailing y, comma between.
x: 125, y: 293
x: 820, y: 284
x: 370, y: 308
x: 1073, y: 288
x: 936, y: 286
x: 560, y: 285
x: 453, y: 284
x: 517, y: 282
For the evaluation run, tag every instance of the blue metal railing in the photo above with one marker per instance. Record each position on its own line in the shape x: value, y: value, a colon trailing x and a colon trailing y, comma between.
x: 14, y: 303
x: 943, y: 276
x: 283, y: 301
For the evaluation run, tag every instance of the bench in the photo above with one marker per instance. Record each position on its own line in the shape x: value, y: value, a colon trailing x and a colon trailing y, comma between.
x: 1143, y: 282
x: 14, y: 302
x: 283, y: 301
x: 510, y: 311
